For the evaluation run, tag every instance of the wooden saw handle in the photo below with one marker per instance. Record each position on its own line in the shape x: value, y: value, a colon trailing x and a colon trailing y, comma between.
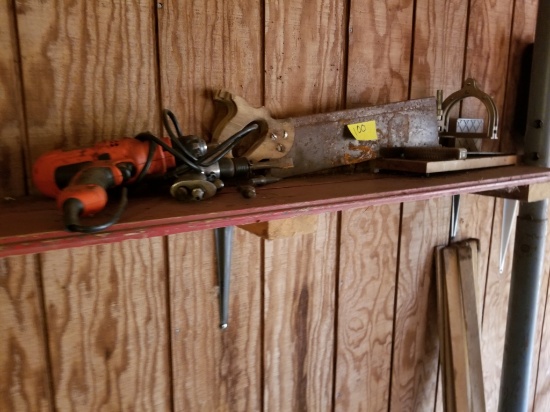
x: 274, y: 139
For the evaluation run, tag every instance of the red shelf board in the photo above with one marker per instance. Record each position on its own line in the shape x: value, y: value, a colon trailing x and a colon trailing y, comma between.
x: 32, y: 225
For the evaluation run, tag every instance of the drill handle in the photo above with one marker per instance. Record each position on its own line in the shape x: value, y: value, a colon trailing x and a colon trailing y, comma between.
x: 86, y: 195
x: 71, y: 215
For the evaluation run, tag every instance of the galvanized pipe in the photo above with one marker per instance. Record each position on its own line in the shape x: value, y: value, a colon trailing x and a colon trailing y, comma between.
x: 531, y: 226
x: 523, y: 307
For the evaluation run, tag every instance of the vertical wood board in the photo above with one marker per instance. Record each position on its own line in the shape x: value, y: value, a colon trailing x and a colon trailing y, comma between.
x: 488, y: 45
x: 458, y: 384
x: 425, y: 225
x: 214, y: 369
x: 495, y: 311
x: 437, y: 63
x: 439, y: 42
x: 304, y: 56
x: 204, y: 46
x: 107, y: 326
x: 12, y: 128
x: 300, y: 281
x: 523, y: 34
x: 368, y: 258
x: 468, y: 264
x: 89, y: 71
x: 304, y: 73
x: 475, y: 221
x: 379, y: 51
x: 24, y: 381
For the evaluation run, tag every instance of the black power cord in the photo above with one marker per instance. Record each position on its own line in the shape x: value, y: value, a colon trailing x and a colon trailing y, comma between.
x: 181, y: 153
x: 73, y: 207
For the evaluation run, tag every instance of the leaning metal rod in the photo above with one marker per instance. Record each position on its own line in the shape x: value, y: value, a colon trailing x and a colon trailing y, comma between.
x: 224, y: 242
x: 531, y: 228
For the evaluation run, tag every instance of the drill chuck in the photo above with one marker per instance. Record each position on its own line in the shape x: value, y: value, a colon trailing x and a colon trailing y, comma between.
x: 238, y: 168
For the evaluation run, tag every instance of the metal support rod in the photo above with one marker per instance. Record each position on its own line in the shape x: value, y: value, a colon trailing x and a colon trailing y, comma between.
x: 523, y: 306
x: 530, y: 235
x: 224, y: 243
x: 509, y: 211
x: 455, y: 214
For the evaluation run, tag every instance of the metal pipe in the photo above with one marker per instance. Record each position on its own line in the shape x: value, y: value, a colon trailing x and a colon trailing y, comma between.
x: 224, y: 243
x: 522, y: 307
x: 530, y: 239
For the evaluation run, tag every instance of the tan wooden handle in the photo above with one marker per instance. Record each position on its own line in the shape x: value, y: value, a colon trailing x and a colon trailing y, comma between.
x: 274, y: 139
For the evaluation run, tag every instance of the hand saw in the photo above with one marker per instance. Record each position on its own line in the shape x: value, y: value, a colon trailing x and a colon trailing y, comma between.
x: 306, y: 144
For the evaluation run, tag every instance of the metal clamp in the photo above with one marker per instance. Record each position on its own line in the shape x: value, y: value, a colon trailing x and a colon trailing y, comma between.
x: 469, y: 89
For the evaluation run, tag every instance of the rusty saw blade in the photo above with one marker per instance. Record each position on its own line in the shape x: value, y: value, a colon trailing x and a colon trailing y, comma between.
x: 322, y: 141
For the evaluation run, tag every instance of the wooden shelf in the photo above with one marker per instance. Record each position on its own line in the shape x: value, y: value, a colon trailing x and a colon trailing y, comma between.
x: 31, y: 225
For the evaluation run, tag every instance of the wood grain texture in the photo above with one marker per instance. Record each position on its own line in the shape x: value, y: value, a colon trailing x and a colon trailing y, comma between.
x: 89, y: 71
x: 24, y: 381
x: 379, y: 51
x: 459, y: 382
x: 283, y: 228
x: 468, y: 263
x: 304, y: 56
x: 300, y: 281
x: 495, y: 311
x: 444, y: 395
x: 523, y: 34
x: 475, y: 221
x: 415, y: 348
x: 107, y: 326
x: 304, y: 72
x: 204, y: 46
x: 368, y: 257
x: 488, y: 44
x: 442, y: 166
x: 35, y: 225
x: 478, y: 220
x: 215, y: 370
x: 12, y: 130
x: 439, y: 42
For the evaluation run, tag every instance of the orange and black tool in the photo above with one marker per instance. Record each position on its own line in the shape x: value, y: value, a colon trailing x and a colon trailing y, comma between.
x: 79, y: 179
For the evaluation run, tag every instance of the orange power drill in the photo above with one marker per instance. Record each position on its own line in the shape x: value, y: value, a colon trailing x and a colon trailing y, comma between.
x: 79, y: 179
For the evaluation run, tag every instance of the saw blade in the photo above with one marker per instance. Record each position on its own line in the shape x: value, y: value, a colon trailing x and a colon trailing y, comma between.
x: 323, y: 141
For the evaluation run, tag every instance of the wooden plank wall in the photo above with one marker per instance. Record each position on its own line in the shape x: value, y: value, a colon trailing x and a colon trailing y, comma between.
x: 339, y: 319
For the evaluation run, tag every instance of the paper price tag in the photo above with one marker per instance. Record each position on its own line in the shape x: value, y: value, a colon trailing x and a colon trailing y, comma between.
x: 364, y: 130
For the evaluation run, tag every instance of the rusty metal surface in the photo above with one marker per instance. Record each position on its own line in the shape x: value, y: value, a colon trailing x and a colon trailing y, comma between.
x: 322, y: 141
